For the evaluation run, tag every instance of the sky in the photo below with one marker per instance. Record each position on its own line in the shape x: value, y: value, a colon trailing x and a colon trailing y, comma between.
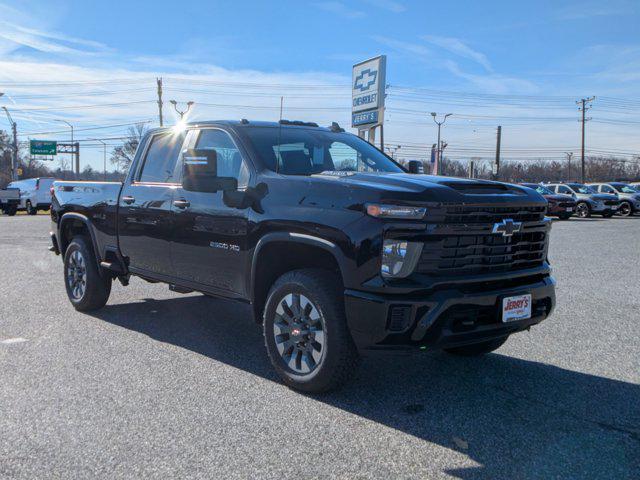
x: 521, y: 65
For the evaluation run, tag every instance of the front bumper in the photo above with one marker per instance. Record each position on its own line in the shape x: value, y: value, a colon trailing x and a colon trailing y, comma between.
x: 445, y: 318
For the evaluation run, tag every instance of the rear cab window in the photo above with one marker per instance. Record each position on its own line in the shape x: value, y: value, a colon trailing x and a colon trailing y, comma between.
x: 161, y: 158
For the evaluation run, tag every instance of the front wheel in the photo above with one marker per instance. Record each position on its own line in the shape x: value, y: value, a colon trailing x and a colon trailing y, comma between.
x: 477, y: 349
x: 31, y: 210
x: 86, y: 288
x: 306, y: 333
x: 583, y: 210
x: 625, y: 209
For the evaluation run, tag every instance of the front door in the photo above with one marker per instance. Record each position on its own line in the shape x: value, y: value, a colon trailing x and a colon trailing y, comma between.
x: 144, y: 215
x: 209, y: 238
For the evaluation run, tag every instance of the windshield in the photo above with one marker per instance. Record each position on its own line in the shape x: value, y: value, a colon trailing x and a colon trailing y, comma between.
x: 543, y: 190
x: 622, y: 188
x: 305, y: 151
x: 578, y: 187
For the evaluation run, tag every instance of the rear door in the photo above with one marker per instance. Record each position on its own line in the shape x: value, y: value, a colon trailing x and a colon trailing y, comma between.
x: 209, y: 245
x: 144, y: 213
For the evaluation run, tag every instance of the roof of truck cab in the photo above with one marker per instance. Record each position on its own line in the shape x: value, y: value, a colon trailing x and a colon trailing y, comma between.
x: 241, y: 124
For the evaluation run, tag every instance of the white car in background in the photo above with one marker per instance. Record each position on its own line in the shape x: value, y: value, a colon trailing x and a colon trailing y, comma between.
x: 34, y: 194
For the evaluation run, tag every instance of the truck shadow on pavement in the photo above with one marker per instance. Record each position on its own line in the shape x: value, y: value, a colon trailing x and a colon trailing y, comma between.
x: 514, y: 418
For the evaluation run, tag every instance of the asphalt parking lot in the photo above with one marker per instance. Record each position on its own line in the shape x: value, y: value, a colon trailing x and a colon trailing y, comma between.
x: 161, y: 385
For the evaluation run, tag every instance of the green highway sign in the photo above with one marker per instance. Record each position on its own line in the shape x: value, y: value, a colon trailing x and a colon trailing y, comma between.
x: 43, y: 147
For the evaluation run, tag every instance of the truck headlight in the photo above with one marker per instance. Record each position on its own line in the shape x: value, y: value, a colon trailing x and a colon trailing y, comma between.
x: 399, y: 258
x: 404, y: 212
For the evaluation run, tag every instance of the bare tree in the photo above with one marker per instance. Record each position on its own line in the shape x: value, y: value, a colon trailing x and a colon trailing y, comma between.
x: 122, y: 156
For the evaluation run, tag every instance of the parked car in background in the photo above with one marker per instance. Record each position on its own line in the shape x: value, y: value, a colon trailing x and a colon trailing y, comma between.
x: 588, y: 201
x: 635, y: 185
x: 34, y: 194
x: 9, y: 200
x: 561, y: 206
x: 629, y: 196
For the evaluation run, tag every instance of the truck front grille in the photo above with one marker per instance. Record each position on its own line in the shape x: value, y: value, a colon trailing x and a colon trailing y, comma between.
x: 466, y: 214
x: 461, y: 242
x: 462, y: 255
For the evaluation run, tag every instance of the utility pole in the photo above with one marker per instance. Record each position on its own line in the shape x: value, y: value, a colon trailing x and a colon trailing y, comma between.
x: 14, y: 157
x: 436, y: 167
x: 569, y: 156
x: 585, y: 105
x: 496, y: 173
x: 471, y: 169
x: 159, y: 81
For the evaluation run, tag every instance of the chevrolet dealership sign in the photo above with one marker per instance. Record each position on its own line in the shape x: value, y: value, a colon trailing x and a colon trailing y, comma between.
x: 367, y: 92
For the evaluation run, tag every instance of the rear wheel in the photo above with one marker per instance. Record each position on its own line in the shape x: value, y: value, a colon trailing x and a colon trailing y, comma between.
x: 31, y: 210
x: 477, y: 348
x: 86, y: 288
x: 11, y: 210
x: 305, y: 331
x: 583, y: 210
x: 625, y: 209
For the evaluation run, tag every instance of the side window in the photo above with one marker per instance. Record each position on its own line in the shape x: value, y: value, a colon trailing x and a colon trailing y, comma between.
x: 606, y: 189
x: 161, y: 158
x: 230, y: 162
x: 566, y: 190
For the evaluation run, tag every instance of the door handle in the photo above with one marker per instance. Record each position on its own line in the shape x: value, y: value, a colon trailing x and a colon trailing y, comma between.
x: 128, y: 200
x: 181, y: 203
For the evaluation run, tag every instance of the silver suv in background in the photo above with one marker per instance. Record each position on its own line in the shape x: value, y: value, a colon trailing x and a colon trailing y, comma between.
x: 629, y: 196
x: 588, y: 201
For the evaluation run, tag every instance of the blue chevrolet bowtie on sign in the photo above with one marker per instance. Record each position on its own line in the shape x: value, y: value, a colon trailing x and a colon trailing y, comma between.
x: 365, y: 80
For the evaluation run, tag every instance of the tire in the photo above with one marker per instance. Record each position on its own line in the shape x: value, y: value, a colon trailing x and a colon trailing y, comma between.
x: 625, y: 209
x: 477, y: 349
x: 583, y: 210
x: 86, y: 288
x: 10, y: 211
x: 308, y: 340
x: 31, y: 210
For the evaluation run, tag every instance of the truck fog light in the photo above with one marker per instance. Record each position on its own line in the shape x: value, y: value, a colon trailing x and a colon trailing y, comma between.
x: 399, y: 258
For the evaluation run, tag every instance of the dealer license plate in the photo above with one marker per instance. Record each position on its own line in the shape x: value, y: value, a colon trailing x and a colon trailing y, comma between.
x: 516, y: 308
x: 569, y: 209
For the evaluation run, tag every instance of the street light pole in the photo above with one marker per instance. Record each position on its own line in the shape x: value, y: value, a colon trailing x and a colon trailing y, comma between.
x: 73, y: 146
x: 14, y: 157
x: 436, y: 166
x: 104, y: 156
x: 181, y: 113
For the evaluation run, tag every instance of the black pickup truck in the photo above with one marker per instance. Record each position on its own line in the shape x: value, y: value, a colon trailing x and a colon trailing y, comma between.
x: 339, y: 249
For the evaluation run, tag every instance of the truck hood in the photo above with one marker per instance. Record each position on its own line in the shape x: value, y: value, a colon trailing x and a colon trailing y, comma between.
x: 412, y: 188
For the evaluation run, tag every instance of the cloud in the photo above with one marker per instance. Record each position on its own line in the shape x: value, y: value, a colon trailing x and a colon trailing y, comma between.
x: 493, y: 83
x: 586, y: 10
x: 390, y: 5
x: 459, y: 48
x: 14, y: 36
x: 340, y: 9
x: 404, y: 47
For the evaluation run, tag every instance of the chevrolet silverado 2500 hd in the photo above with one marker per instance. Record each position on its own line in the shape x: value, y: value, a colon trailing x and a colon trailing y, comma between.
x: 339, y: 250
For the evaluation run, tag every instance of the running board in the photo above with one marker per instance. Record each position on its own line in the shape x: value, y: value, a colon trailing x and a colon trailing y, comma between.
x: 112, y: 267
x: 179, y: 289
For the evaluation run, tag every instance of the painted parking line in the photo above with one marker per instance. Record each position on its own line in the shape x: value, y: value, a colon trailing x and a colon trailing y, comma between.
x: 9, y: 341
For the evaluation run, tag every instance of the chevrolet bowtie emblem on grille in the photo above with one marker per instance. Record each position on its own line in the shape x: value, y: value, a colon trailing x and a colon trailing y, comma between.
x: 507, y: 227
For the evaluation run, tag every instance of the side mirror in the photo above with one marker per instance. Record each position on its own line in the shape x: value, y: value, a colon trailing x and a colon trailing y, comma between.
x: 415, y: 166
x: 200, y: 172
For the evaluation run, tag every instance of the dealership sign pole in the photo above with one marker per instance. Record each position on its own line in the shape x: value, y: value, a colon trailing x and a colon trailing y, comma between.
x: 367, y: 96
